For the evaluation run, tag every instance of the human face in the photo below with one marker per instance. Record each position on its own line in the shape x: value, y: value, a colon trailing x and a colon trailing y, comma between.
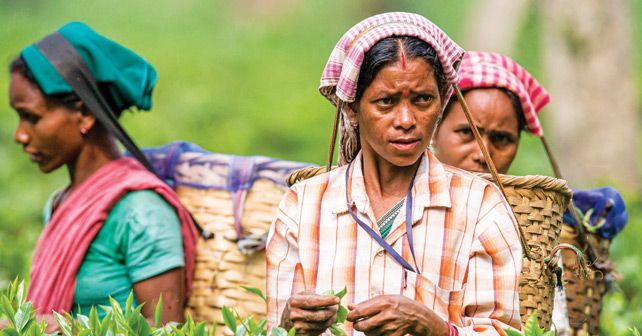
x: 48, y: 132
x: 496, y: 119
x: 397, y: 113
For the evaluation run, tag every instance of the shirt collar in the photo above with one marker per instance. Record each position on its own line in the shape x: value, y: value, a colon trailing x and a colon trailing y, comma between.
x: 431, y: 186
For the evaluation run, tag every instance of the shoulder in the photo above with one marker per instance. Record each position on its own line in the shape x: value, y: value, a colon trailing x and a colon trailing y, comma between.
x: 142, y: 210
x: 473, y: 183
x: 320, y: 186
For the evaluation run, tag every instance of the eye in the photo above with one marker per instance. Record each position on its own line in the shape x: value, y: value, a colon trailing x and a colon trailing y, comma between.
x: 385, y: 102
x: 424, y: 98
x: 464, y: 131
x: 502, y: 139
x: 28, y: 117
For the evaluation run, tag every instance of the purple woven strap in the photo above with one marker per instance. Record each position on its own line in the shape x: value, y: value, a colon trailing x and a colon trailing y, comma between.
x: 242, y: 169
x: 377, y: 237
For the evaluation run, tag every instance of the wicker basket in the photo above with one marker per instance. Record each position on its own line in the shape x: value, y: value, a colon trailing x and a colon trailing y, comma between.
x: 235, y: 198
x: 538, y: 203
x: 584, y: 295
x: 221, y: 268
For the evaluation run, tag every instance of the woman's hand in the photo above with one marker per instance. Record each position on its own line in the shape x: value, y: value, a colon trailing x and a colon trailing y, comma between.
x: 310, y: 313
x: 395, y: 315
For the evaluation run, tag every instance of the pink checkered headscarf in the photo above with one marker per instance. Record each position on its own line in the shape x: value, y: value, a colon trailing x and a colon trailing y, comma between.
x: 481, y: 69
x: 341, y: 73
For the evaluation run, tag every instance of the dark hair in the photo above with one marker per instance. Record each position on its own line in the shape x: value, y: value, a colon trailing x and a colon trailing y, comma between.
x: 67, y: 99
x: 514, y: 99
x: 386, y: 52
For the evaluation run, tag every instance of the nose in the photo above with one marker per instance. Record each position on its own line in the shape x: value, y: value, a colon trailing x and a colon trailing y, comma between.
x: 21, y: 135
x: 478, y: 156
x: 405, y: 117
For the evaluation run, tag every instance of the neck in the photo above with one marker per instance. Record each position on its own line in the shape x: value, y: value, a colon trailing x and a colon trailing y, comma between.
x: 384, y: 180
x: 97, y: 151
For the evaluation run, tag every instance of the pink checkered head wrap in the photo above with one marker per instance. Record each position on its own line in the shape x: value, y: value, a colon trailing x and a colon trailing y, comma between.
x: 486, y: 69
x: 341, y: 74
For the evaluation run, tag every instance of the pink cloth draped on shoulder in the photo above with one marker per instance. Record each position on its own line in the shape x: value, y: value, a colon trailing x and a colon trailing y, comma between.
x: 66, y: 238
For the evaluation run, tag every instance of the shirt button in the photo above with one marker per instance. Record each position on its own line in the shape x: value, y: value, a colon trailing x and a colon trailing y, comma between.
x: 380, y: 254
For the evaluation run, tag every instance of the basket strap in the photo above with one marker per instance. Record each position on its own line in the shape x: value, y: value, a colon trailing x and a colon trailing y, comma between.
x: 581, y: 233
x: 490, y: 164
x: 333, y: 137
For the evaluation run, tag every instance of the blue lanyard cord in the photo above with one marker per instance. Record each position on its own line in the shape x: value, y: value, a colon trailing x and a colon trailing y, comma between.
x: 378, y: 238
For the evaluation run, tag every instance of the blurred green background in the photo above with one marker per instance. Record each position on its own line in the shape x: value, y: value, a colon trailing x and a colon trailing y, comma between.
x: 241, y: 77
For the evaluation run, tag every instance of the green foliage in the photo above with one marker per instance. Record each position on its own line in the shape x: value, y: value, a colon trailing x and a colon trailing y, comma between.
x: 22, y: 319
x: 531, y: 328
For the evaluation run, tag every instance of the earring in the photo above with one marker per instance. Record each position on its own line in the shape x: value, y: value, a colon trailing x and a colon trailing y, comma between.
x: 83, y: 130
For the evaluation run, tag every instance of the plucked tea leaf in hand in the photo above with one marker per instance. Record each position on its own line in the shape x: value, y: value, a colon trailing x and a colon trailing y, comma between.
x: 292, y: 332
x: 337, y: 330
x: 342, y: 293
x: 342, y: 314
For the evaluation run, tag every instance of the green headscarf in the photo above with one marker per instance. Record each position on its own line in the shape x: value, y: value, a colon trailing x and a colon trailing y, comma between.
x: 128, y: 77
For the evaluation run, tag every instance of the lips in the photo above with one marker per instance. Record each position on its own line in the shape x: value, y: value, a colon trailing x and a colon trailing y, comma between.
x: 34, y: 156
x: 405, y: 144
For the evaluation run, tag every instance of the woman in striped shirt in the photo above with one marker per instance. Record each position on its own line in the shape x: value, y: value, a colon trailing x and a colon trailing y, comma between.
x: 421, y: 247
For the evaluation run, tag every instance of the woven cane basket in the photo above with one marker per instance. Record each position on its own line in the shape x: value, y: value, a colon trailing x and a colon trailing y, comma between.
x: 583, y: 295
x: 235, y: 199
x: 538, y: 203
x: 221, y: 268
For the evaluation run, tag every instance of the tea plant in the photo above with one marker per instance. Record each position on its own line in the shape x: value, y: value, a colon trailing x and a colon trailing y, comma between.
x: 118, y: 321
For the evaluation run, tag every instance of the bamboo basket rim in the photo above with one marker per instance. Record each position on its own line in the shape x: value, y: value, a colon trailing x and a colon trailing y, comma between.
x: 532, y: 182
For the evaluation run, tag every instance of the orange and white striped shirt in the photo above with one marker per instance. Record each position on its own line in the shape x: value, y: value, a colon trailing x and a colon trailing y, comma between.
x: 465, y: 240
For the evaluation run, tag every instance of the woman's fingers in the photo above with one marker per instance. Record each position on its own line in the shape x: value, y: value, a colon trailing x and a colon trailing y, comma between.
x: 308, y: 327
x: 313, y: 301
x: 367, y: 308
x: 319, y: 315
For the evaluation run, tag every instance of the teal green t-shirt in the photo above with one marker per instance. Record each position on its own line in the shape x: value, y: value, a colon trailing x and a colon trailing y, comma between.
x: 141, y: 238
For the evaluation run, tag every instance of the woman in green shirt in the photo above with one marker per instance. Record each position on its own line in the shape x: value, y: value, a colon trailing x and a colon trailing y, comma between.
x: 116, y: 228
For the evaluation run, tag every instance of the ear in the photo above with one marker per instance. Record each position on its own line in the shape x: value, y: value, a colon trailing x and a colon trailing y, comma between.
x: 351, y: 112
x: 86, y: 120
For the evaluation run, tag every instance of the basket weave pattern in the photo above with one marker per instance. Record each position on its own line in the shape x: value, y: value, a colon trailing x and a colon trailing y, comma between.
x: 583, y: 296
x: 220, y: 267
x: 538, y: 203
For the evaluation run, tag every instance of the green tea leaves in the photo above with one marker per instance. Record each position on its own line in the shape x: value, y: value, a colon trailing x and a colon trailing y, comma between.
x: 256, y: 291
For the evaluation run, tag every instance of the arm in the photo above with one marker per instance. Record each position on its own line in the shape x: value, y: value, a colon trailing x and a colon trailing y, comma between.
x: 491, y: 299
x: 171, y: 285
x: 289, y: 304
x: 153, y: 249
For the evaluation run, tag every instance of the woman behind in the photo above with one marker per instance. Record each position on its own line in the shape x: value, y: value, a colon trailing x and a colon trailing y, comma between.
x: 116, y: 227
x: 504, y: 100
x: 422, y: 248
